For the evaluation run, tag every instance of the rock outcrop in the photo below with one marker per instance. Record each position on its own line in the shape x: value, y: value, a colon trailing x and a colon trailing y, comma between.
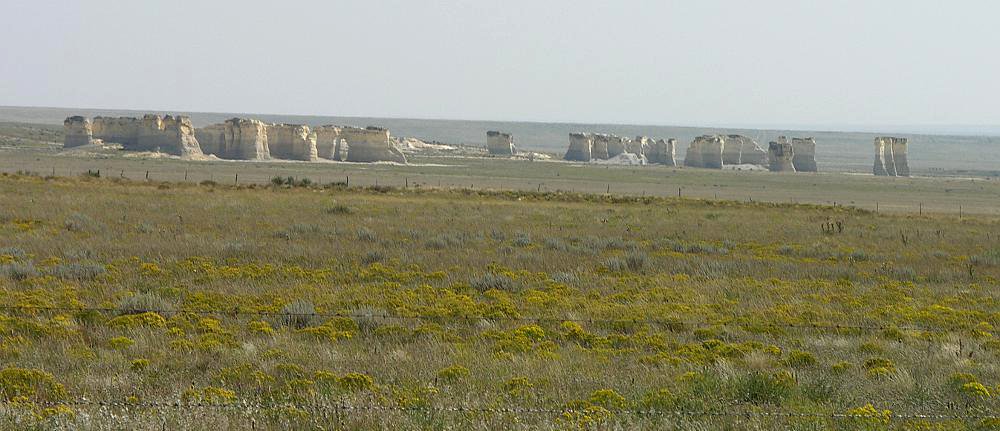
x: 716, y: 151
x: 291, y: 142
x: 899, y: 156
x: 731, y: 150
x: 597, y: 147
x: 705, y: 152
x: 616, y: 145
x: 600, y: 148
x: 890, y: 157
x: 169, y: 134
x: 328, y: 142
x: 371, y: 144
x: 235, y: 139
x: 639, y: 146
x: 580, y: 145
x: 662, y: 152
x: 741, y: 150
x: 499, y: 143
x: 805, y: 154
x: 77, y: 131
x: 780, y: 155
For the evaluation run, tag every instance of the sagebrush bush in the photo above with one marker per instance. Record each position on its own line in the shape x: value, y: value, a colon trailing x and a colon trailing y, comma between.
x: 490, y: 280
x: 143, y: 303
x: 77, y: 271
x: 298, y: 314
x: 18, y: 271
x: 366, y: 235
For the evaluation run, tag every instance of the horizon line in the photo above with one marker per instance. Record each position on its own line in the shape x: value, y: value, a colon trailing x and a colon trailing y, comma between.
x: 984, y: 130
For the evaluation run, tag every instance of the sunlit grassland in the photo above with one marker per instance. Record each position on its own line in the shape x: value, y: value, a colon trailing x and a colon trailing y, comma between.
x: 590, y: 308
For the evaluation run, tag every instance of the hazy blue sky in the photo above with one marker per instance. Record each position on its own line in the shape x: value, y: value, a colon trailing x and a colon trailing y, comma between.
x: 795, y: 62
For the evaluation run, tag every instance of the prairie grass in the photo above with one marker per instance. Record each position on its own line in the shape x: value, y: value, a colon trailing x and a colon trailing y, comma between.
x: 587, y: 309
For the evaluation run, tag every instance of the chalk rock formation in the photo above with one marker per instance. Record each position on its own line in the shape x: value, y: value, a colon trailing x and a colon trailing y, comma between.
x: 77, y: 131
x: 170, y: 134
x: 805, y: 154
x: 705, y: 152
x: 328, y: 142
x: 640, y: 145
x: 616, y: 146
x: 623, y: 159
x: 371, y: 144
x: 580, y: 145
x: 662, y: 152
x: 899, y: 155
x: 731, y: 150
x: 780, y: 155
x: 499, y: 143
x: 600, y: 148
x: 741, y: 150
x: 236, y: 139
x: 879, y: 168
x: 692, y: 158
x: 890, y: 157
x: 292, y: 142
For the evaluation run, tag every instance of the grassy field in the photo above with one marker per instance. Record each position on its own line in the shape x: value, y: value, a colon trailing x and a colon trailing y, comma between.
x: 942, y: 195
x: 275, y: 307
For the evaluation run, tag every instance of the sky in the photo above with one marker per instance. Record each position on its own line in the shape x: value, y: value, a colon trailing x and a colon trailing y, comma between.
x: 762, y: 63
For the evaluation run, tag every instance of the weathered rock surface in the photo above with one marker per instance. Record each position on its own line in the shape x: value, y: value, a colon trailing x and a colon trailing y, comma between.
x: 580, y: 145
x: 742, y: 150
x: 291, y: 142
x: 499, y: 143
x: 805, y: 154
x: 705, y: 152
x: 77, y: 131
x: 371, y: 144
x: 328, y: 142
x: 891, y: 157
x: 731, y: 150
x: 780, y: 155
x: 600, y: 148
x: 169, y: 134
x: 899, y: 156
x: 662, y: 152
x: 640, y: 145
x: 623, y: 159
x: 616, y: 145
x: 235, y: 139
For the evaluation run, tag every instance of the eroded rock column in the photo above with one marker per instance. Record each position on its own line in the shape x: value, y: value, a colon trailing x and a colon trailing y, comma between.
x: 580, y: 145
x: 499, y: 143
x: 780, y: 155
x: 77, y: 131
x: 805, y: 154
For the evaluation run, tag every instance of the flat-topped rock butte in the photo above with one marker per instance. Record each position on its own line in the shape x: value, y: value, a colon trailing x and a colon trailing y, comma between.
x: 235, y: 139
